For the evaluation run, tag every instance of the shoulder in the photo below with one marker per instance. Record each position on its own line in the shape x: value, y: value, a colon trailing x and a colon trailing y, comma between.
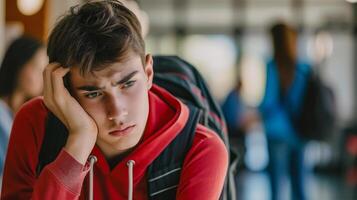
x: 304, y: 67
x: 204, y: 133
x: 270, y: 63
x: 34, y: 109
x: 207, y: 150
x: 232, y: 95
x: 207, y: 142
x: 30, y: 118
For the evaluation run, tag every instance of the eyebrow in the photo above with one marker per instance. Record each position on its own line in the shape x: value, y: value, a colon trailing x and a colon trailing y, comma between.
x: 94, y: 88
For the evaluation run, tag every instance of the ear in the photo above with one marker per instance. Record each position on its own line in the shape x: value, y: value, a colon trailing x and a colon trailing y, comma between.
x: 149, y: 71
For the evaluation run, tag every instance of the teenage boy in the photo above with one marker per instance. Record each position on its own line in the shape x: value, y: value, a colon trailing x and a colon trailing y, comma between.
x: 99, y: 85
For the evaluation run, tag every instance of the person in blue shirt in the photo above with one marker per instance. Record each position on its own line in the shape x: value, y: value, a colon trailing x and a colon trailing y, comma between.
x: 286, y: 82
x: 233, y: 109
x: 240, y: 119
x: 20, y: 79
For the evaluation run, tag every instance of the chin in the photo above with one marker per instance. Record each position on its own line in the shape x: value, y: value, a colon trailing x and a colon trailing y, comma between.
x: 126, y: 144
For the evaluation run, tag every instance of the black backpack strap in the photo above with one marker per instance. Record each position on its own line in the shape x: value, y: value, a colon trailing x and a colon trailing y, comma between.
x: 164, y: 173
x: 54, y: 139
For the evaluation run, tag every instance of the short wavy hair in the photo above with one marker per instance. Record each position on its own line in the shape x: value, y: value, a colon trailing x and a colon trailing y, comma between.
x: 94, y: 35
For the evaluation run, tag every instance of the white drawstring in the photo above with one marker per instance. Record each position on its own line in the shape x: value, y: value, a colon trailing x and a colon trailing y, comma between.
x: 130, y: 164
x: 92, y: 160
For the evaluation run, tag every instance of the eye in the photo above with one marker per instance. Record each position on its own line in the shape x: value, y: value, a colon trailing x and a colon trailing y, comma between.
x: 128, y: 84
x: 93, y: 95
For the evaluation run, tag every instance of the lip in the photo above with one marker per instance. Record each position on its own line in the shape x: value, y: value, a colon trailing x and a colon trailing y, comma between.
x: 122, y: 132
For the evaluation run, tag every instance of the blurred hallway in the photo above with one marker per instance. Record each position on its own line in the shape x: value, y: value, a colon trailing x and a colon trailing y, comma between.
x: 227, y: 40
x: 255, y: 186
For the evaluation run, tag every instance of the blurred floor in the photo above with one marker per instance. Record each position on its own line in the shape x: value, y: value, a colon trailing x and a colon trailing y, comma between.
x: 255, y: 186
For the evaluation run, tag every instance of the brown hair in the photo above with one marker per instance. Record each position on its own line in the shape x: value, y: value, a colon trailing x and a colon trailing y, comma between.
x: 94, y: 35
x: 284, y: 39
x: 284, y: 43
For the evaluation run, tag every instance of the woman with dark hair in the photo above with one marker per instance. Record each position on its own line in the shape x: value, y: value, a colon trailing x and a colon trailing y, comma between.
x: 20, y: 80
x: 285, y: 88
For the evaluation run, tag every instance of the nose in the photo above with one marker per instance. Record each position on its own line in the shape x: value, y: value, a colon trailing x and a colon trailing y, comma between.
x: 116, y: 109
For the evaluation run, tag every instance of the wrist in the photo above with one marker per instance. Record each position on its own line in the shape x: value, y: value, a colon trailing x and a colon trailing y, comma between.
x: 79, y: 146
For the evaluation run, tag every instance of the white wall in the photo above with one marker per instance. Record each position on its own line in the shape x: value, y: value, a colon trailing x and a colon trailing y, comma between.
x: 259, y: 14
x: 58, y: 8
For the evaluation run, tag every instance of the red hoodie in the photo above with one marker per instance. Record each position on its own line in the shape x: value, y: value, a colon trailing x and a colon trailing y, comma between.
x: 202, y: 175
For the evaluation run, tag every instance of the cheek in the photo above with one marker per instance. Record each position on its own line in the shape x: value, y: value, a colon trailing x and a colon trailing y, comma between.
x: 139, y: 103
x: 95, y: 111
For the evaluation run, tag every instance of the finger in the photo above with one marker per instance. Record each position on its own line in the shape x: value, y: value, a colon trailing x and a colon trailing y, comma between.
x: 48, y: 89
x: 60, y: 92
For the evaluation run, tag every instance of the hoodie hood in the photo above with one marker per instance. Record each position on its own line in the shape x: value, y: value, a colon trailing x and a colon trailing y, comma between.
x: 167, y: 117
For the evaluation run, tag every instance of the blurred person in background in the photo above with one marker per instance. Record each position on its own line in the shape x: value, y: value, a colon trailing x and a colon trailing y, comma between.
x: 286, y: 83
x: 240, y: 119
x: 20, y: 80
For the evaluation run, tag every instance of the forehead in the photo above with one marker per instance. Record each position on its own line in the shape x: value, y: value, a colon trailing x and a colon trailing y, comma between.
x: 115, y: 70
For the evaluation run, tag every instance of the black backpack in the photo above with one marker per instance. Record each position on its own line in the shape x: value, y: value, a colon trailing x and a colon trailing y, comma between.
x: 184, y: 82
x: 318, y: 113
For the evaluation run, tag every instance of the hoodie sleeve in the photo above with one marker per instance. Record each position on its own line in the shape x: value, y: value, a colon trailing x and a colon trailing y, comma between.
x: 205, y: 167
x: 63, y: 178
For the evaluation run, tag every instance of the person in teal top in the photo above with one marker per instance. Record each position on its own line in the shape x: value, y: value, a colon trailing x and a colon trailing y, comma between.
x: 285, y: 89
x: 279, y: 107
x: 20, y: 79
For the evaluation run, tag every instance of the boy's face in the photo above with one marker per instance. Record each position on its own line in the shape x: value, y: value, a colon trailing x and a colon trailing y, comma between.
x: 117, y: 99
